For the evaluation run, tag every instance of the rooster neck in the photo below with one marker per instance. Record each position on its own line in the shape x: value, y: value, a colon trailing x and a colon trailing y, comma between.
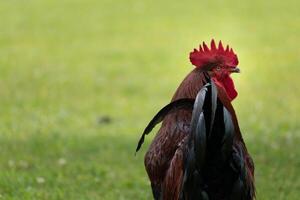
x: 190, y: 85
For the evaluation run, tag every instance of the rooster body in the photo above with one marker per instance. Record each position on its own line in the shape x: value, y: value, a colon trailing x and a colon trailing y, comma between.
x: 199, y: 152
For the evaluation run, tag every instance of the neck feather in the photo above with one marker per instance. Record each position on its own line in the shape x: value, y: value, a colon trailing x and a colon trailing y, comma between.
x: 190, y: 85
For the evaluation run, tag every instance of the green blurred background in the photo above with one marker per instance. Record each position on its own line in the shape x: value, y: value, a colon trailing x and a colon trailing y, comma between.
x: 79, y: 80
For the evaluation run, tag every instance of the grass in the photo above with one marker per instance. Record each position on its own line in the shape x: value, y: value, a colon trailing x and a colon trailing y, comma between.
x: 65, y: 66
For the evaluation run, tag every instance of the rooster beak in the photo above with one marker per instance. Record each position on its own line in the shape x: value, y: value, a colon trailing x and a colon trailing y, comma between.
x: 235, y: 70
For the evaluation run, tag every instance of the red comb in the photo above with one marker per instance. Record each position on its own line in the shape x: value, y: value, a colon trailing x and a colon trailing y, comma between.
x: 215, y: 55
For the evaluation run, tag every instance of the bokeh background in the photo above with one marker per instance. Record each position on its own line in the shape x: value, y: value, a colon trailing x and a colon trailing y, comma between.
x: 79, y: 80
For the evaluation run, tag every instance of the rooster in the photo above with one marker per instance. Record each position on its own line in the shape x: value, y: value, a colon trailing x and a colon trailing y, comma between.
x: 199, y: 152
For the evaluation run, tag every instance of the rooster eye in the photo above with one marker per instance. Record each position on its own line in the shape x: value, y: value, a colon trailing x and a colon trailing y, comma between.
x: 218, y: 68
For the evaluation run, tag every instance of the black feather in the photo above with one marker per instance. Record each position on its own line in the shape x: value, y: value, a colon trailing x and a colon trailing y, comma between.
x: 214, y: 96
x: 241, y: 190
x: 227, y: 140
x: 200, y: 142
x: 238, y: 190
x: 197, y: 110
x: 198, y: 129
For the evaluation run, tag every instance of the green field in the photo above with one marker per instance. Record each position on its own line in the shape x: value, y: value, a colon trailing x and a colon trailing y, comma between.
x: 67, y: 65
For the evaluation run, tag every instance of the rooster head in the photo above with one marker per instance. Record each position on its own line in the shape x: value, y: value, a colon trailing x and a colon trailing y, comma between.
x: 219, y: 62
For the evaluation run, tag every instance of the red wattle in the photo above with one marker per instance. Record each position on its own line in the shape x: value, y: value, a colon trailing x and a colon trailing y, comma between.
x: 229, y: 87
